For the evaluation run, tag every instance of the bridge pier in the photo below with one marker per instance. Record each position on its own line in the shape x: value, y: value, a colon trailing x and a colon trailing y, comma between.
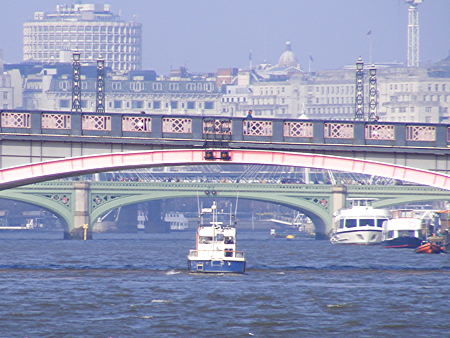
x: 155, y: 222
x: 338, y: 200
x: 81, y: 215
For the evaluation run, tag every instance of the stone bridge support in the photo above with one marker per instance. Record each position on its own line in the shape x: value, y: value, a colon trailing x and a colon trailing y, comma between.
x: 81, y: 214
x: 338, y: 197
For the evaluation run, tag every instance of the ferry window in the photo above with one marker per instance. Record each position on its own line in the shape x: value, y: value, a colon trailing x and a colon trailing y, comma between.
x: 406, y: 233
x: 229, y: 240
x: 205, y: 239
x: 341, y: 224
x: 350, y: 223
x: 380, y: 222
x: 366, y: 222
x: 390, y: 234
x: 219, y: 237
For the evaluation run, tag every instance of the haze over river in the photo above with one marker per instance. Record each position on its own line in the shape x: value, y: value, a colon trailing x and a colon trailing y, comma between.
x: 139, y: 287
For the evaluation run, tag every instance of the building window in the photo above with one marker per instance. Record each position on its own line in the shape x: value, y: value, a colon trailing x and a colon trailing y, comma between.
x: 190, y: 105
x: 428, y: 109
x: 116, y: 85
x: 137, y: 104
x: 117, y: 104
x: 64, y: 85
x: 173, y: 104
x: 156, y: 104
x: 84, y: 103
x: 209, y: 105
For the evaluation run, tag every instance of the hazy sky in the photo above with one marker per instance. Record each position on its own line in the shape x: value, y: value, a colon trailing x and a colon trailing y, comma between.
x: 208, y: 34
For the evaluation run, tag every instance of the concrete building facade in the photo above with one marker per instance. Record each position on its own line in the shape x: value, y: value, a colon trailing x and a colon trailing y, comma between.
x: 91, y: 29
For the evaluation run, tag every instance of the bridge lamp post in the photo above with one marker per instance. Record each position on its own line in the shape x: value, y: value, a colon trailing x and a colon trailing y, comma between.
x: 359, y: 99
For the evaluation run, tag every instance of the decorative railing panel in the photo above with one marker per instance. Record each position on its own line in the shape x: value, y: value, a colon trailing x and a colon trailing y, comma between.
x: 420, y: 133
x: 96, y: 122
x: 257, y: 128
x: 16, y: 120
x: 138, y: 124
x: 298, y: 129
x: 217, y: 126
x: 380, y: 132
x: 339, y: 130
x: 56, y: 121
x: 179, y: 125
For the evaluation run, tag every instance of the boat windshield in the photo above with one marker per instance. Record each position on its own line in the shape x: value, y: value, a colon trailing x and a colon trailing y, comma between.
x: 361, y: 203
x: 406, y: 233
x: 350, y: 223
x: 205, y: 239
x: 229, y: 240
x: 366, y: 222
x: 380, y: 222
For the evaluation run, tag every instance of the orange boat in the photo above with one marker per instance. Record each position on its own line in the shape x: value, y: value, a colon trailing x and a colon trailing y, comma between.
x: 430, y: 248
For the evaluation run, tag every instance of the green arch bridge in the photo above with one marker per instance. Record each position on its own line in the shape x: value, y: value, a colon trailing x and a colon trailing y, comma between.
x: 79, y: 203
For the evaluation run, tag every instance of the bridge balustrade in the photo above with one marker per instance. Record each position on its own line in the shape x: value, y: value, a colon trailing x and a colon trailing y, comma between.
x: 237, y: 128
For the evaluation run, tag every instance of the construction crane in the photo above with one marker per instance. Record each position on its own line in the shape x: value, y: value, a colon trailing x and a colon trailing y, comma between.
x: 413, y: 33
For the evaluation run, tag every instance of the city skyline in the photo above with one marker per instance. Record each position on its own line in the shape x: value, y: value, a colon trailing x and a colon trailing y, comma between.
x: 222, y: 35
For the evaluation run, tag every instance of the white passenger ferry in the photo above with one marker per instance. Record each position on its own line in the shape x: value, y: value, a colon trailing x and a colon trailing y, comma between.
x: 360, y: 224
x: 215, y: 250
x: 408, y: 228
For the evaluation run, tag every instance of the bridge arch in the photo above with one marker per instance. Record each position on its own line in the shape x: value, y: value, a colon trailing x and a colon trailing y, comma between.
x: 43, y: 171
x: 320, y: 216
x: 53, y: 206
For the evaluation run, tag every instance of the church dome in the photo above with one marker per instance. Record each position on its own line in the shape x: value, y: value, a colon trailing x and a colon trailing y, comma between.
x: 287, y: 58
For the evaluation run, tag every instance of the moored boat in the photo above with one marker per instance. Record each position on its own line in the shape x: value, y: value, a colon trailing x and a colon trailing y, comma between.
x: 430, y: 248
x: 215, y: 250
x: 360, y: 224
x: 407, y: 228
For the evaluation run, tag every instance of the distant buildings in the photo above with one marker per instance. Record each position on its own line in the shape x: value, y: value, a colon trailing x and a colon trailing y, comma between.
x: 283, y: 90
x: 6, y: 88
x: 91, y: 29
x: 404, y: 94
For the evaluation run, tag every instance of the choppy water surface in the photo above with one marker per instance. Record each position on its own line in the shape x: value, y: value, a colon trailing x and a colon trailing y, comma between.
x: 140, y: 287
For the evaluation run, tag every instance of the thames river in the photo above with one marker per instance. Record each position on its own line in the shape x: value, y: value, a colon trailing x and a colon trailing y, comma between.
x: 116, y: 286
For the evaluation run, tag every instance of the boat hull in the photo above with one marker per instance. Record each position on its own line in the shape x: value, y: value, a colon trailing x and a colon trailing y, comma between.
x: 402, y: 242
x: 216, y: 266
x: 361, y: 237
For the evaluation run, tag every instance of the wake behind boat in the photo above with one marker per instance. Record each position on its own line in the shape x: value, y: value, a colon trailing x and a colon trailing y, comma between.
x: 360, y: 224
x: 215, y: 245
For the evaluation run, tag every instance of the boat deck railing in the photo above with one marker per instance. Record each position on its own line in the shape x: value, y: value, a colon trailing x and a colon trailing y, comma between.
x: 227, y: 253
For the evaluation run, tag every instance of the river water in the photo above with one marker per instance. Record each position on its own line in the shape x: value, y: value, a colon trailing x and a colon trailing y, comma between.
x: 138, y: 286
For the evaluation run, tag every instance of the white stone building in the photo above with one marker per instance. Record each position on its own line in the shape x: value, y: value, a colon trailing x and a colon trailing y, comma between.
x: 91, y: 29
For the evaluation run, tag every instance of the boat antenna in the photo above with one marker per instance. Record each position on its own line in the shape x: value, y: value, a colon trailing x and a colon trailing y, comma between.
x: 198, y: 204
x: 237, y: 199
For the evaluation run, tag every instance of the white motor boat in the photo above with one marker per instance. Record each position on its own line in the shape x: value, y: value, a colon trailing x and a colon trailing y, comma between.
x: 360, y: 224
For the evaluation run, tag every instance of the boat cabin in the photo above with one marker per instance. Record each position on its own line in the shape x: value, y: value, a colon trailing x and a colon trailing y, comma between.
x: 408, y: 223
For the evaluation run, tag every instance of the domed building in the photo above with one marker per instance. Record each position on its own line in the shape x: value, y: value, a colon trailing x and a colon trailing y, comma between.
x: 286, y: 67
x: 287, y: 58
